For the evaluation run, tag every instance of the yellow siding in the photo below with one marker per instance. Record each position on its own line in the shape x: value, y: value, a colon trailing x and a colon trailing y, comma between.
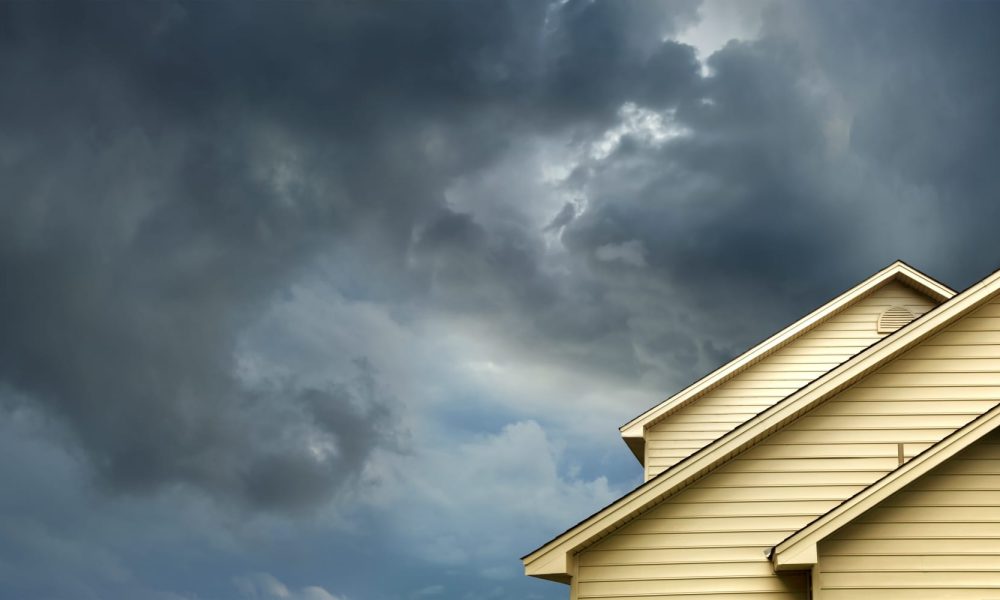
x: 708, y: 541
x: 937, y: 538
x: 837, y: 339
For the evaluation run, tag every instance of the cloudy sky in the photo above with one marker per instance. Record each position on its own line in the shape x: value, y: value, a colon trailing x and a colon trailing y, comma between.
x: 346, y: 300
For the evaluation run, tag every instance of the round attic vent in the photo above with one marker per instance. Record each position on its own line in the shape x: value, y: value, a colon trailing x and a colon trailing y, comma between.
x: 893, y: 318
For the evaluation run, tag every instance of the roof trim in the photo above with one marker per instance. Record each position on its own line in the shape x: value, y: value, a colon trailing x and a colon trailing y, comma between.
x: 898, y: 270
x: 554, y: 558
x: 798, y: 551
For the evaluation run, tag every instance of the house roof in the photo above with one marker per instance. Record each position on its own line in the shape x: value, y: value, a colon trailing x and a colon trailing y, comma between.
x: 798, y: 551
x: 633, y: 431
x: 553, y: 559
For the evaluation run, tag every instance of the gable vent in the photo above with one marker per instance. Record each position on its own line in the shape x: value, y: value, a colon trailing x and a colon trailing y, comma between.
x: 893, y: 318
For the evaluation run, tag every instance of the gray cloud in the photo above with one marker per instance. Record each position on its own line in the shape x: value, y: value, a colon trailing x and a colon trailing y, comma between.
x: 171, y: 167
x: 562, y: 218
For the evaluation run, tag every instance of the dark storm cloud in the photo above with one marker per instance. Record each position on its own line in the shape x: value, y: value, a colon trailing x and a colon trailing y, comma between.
x: 719, y: 211
x: 470, y: 268
x: 601, y: 55
x: 169, y: 167
x: 917, y: 82
x: 736, y: 179
x: 851, y: 134
x: 808, y: 158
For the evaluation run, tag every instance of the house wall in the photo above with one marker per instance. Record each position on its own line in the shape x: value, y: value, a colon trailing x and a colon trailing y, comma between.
x: 814, y: 353
x: 709, y: 539
x: 937, y: 538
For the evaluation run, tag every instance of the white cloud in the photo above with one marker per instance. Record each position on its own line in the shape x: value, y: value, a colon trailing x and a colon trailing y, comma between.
x: 314, y: 592
x: 264, y: 586
x: 472, y: 503
x: 653, y: 128
x: 721, y: 21
x: 432, y: 590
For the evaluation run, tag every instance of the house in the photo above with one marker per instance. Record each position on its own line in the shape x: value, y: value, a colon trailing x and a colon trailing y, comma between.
x: 854, y: 454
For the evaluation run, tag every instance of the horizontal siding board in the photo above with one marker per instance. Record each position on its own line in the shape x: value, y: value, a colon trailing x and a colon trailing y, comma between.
x: 845, y: 345
x: 766, y: 383
x: 831, y: 420
x: 904, y: 530
x: 727, y: 417
x: 679, y: 434
x: 977, y: 323
x: 798, y: 374
x: 886, y: 462
x: 947, y: 497
x: 670, y: 556
x: 687, y: 444
x: 698, y: 426
x: 754, y: 395
x: 764, y: 479
x: 963, y: 481
x: 763, y: 494
x: 759, y: 567
x: 904, y: 436
x: 709, y: 596
x: 954, y: 352
x: 940, y: 580
x: 943, y: 365
x: 808, y: 358
x: 909, y: 380
x: 975, y: 466
x: 905, y: 547
x: 831, y: 450
x: 664, y: 437
x: 916, y: 594
x: 681, y: 585
x: 989, y: 310
x: 864, y: 324
x: 637, y: 541
x: 724, y: 524
x: 665, y: 454
x: 964, y: 338
x: 943, y: 392
x: 748, y: 508
x: 821, y: 348
x: 929, y: 514
x: 858, y: 337
x: 909, y: 407
x: 921, y: 562
x: 716, y: 408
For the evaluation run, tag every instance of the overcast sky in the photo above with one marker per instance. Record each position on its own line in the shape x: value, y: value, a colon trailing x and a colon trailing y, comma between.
x: 319, y: 301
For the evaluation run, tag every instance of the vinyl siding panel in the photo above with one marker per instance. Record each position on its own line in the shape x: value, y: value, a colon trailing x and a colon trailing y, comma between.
x: 937, y: 538
x: 757, y: 388
x: 709, y: 539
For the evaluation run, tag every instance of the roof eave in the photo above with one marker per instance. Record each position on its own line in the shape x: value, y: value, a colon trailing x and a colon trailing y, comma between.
x: 637, y: 444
